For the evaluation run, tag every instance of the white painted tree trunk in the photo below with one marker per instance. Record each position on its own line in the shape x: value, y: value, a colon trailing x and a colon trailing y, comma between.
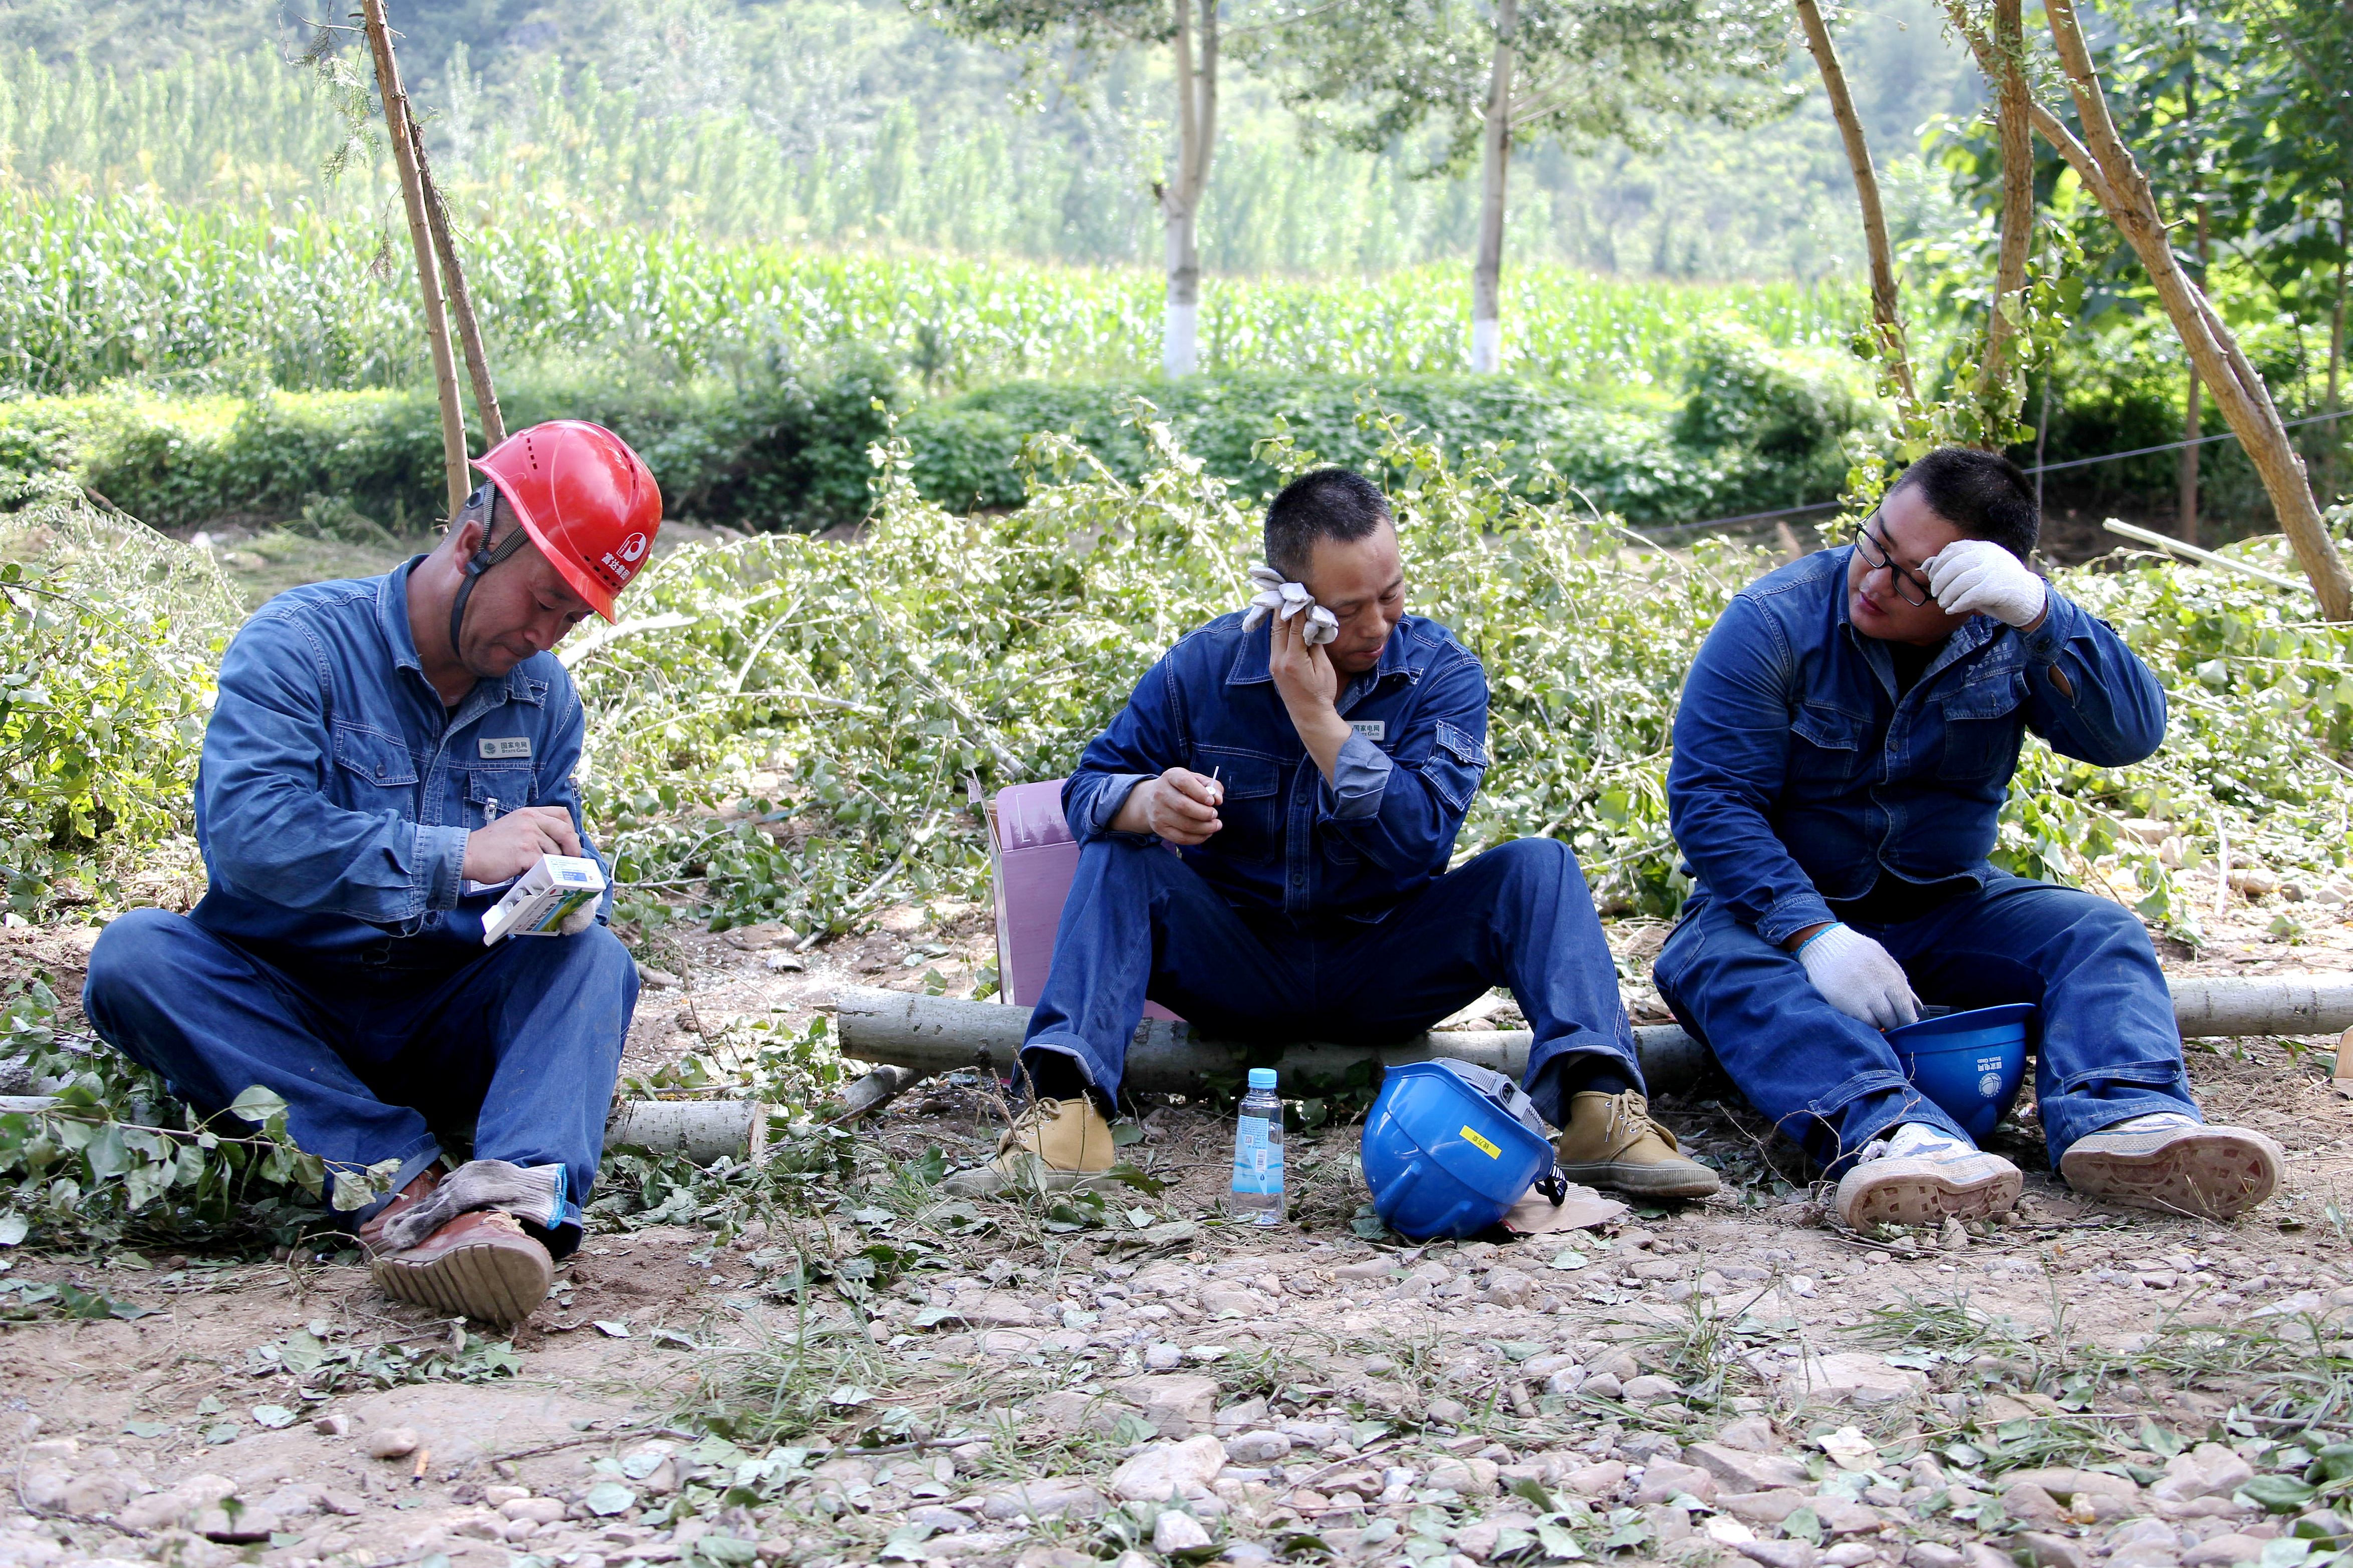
x: 1180, y: 198
x: 1494, y: 169
x: 1180, y: 332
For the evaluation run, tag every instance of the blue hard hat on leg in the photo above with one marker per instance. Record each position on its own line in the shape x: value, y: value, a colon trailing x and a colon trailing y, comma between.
x: 1450, y: 1147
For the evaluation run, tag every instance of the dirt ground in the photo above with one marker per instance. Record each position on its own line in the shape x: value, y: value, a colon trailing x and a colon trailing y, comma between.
x: 1735, y: 1377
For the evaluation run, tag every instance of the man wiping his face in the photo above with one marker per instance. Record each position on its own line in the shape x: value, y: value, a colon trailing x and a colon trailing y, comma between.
x: 1312, y: 759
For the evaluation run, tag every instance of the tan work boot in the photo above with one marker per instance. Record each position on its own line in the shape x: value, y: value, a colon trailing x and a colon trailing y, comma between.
x: 480, y: 1264
x: 1611, y: 1141
x: 1053, y: 1146
x: 2174, y: 1164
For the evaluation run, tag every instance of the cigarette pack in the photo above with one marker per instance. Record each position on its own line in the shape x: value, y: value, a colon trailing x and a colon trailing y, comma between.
x: 543, y: 896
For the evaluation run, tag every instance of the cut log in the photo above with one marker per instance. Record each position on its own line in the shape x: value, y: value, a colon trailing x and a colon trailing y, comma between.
x: 701, y: 1130
x: 939, y: 1034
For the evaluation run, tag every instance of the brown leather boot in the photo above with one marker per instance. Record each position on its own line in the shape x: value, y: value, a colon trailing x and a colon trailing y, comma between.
x: 371, y: 1235
x: 482, y: 1265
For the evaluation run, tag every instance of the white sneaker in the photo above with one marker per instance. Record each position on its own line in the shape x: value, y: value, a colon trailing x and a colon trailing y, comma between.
x: 2175, y: 1163
x: 1919, y: 1175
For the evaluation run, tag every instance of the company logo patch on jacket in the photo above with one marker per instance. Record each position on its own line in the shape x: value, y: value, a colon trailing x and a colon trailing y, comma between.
x: 500, y: 747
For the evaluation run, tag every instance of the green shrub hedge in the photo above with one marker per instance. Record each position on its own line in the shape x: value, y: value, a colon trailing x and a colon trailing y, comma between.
x: 788, y: 451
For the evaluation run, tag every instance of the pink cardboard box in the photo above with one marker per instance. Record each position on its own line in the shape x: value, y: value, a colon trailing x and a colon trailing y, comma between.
x: 1035, y: 858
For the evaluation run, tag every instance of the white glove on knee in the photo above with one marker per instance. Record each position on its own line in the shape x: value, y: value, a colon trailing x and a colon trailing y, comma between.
x: 1858, y: 977
x: 1976, y: 576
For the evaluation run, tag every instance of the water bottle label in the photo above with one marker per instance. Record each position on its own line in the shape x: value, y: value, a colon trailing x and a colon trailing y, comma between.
x: 1258, y: 1167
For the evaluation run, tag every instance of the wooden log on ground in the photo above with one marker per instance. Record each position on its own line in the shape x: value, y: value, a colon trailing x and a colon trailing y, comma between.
x: 939, y: 1034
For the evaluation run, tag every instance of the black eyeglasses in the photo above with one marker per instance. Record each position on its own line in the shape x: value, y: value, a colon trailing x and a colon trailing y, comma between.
x: 1875, y: 557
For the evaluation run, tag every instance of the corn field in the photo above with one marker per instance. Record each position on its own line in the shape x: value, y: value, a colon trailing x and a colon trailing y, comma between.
x: 206, y: 298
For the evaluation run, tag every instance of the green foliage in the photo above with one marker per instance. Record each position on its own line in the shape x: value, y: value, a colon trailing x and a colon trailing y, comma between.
x: 788, y: 452
x: 1778, y: 423
x: 114, y: 1155
x: 108, y: 638
x: 211, y: 299
x: 1584, y: 72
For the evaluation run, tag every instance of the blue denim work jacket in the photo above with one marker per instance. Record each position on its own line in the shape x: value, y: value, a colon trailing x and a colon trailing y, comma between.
x: 1291, y: 842
x: 336, y: 792
x: 1800, y: 777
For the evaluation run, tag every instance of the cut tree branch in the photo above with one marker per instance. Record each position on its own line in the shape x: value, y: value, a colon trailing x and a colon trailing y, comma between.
x: 461, y: 299
x: 2244, y: 400
x: 421, y: 234
x: 1887, y: 305
x: 2010, y: 97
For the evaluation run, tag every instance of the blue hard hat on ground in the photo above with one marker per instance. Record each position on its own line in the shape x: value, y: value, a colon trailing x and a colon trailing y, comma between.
x: 1450, y: 1147
x: 1971, y: 1064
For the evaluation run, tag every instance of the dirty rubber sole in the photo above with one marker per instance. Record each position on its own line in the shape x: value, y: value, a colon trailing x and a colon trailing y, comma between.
x: 2208, y: 1172
x: 494, y: 1284
x: 1916, y: 1191
x: 1662, y: 1181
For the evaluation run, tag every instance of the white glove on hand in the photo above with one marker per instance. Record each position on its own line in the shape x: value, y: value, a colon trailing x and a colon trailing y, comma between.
x: 1979, y: 576
x: 578, y: 921
x: 1286, y: 600
x: 1858, y: 977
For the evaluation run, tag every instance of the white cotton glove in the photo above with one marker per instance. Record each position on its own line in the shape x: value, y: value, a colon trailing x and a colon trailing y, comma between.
x: 1286, y: 600
x: 578, y: 921
x: 1858, y: 977
x: 1979, y: 576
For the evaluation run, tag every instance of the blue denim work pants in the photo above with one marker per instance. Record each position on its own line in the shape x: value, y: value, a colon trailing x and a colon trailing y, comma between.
x: 521, y: 1044
x: 1140, y: 923
x: 2109, y: 1049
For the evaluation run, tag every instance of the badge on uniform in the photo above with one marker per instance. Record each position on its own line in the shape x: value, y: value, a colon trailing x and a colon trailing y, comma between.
x: 1370, y: 729
x: 500, y: 747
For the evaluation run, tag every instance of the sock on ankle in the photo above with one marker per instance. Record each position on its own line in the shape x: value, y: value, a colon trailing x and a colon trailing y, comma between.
x: 1588, y: 1073
x: 1056, y: 1074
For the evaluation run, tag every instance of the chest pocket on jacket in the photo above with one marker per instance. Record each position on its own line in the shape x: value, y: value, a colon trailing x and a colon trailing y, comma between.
x: 373, y: 756
x: 495, y: 787
x: 1251, y: 816
x: 1982, y: 728
x: 1825, y: 744
x: 1457, y: 762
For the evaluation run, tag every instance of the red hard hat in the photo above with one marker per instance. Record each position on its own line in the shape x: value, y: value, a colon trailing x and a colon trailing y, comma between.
x: 588, y: 501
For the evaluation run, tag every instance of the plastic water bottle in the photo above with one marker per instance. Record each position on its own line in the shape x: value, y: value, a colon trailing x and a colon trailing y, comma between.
x: 1258, y: 1153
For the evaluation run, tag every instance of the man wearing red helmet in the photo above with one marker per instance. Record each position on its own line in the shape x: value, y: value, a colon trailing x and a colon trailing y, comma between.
x: 385, y: 757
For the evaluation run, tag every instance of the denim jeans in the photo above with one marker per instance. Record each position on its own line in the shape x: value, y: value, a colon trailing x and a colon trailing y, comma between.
x: 519, y: 1046
x: 2109, y: 1049
x: 1141, y: 923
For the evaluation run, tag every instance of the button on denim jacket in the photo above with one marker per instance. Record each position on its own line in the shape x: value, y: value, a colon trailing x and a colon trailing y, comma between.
x: 1291, y: 842
x: 336, y: 792
x: 1800, y: 777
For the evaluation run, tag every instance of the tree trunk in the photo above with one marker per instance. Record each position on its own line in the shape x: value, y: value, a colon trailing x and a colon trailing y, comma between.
x: 1494, y: 169
x: 1180, y: 198
x: 461, y: 299
x: 2017, y: 196
x: 2239, y: 393
x: 1886, y: 306
x: 2334, y: 443
x: 428, y: 282
x: 2193, y: 420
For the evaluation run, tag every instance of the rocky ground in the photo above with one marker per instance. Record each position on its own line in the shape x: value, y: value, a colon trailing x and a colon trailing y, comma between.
x: 867, y: 1374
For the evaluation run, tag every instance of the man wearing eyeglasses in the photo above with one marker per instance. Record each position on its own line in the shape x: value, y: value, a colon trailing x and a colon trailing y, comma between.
x: 1844, y: 746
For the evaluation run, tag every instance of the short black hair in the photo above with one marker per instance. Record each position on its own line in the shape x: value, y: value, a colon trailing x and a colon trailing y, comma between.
x: 1323, y: 503
x: 1983, y: 494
